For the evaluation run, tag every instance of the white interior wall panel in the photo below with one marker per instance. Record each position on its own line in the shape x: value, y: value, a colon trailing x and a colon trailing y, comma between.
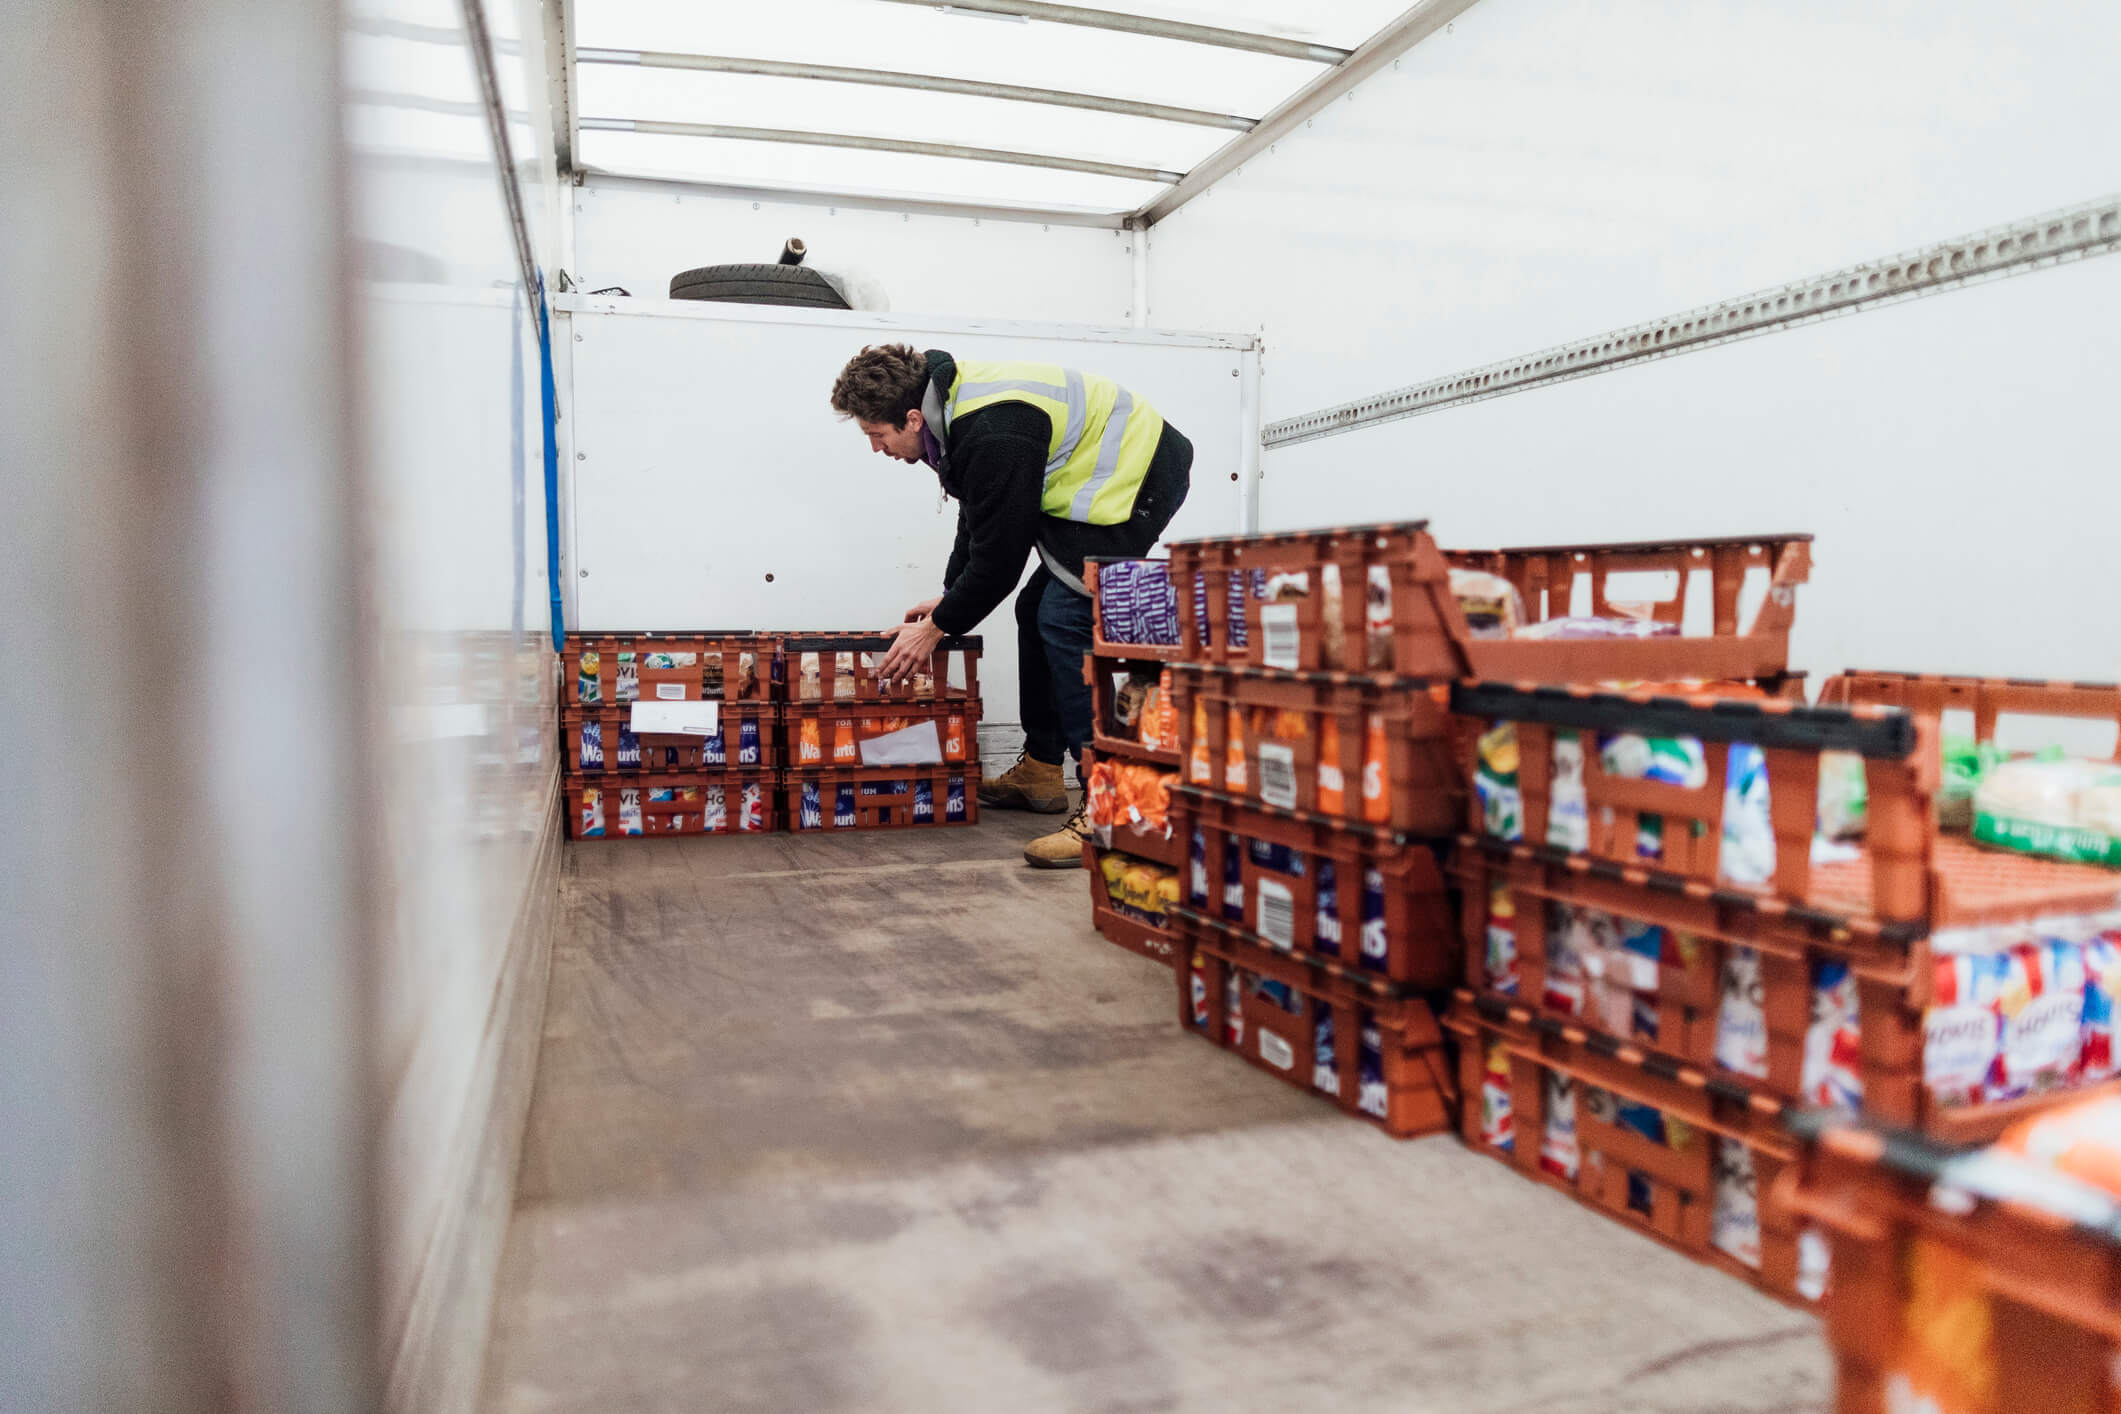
x: 1544, y: 171
x: 638, y: 234
x: 715, y: 488
x: 1954, y: 456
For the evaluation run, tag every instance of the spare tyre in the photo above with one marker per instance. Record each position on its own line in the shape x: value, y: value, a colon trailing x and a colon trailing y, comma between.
x: 757, y: 284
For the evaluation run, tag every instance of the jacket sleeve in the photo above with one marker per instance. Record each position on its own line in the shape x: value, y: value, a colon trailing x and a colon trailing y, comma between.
x: 1003, y: 476
x: 960, y: 549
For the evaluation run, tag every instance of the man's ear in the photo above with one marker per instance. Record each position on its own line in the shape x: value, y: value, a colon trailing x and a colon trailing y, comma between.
x: 914, y: 421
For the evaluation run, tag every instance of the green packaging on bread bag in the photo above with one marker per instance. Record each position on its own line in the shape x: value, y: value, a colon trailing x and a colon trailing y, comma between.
x: 1844, y: 796
x: 2051, y: 805
x: 1966, y: 763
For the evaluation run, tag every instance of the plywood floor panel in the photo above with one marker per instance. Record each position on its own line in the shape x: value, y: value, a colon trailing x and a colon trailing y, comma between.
x: 876, y: 1122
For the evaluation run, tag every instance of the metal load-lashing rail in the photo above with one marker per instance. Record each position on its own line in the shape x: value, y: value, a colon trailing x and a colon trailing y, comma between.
x: 2032, y: 244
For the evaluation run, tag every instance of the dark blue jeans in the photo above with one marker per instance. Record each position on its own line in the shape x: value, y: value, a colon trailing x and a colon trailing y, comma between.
x: 1052, y: 638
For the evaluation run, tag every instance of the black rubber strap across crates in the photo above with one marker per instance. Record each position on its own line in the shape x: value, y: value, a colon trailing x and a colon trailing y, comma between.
x: 1875, y: 732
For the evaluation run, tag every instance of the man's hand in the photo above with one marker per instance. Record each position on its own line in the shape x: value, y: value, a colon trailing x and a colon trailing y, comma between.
x: 923, y: 609
x: 912, y: 649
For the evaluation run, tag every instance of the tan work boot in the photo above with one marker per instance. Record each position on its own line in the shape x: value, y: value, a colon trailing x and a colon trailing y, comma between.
x: 1063, y: 849
x: 1028, y: 785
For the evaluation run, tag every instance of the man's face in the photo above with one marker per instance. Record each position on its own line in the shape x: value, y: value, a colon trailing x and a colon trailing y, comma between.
x: 901, y: 442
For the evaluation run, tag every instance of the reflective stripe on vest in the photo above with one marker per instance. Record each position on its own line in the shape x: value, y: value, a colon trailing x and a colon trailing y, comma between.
x: 1103, y: 436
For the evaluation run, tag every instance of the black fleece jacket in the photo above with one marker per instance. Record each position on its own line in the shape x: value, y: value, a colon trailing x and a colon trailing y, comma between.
x: 994, y: 466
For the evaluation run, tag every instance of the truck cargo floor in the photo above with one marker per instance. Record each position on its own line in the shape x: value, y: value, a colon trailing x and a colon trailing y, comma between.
x: 877, y: 1122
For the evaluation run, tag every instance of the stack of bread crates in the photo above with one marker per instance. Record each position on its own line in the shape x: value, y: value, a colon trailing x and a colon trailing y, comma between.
x: 1323, y: 773
x: 696, y: 779
x: 1694, y: 906
x: 1134, y: 856
x: 865, y: 752
x: 1979, y: 1279
x: 1316, y: 785
x: 763, y: 731
x: 1752, y: 976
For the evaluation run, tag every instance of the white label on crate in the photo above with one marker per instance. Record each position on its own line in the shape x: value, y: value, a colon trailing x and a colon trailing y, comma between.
x: 1277, y: 775
x: 1276, y: 1052
x: 918, y: 745
x: 1814, y: 1261
x: 1277, y: 914
x: 1902, y: 1396
x: 1277, y: 624
x: 670, y: 692
x: 680, y: 718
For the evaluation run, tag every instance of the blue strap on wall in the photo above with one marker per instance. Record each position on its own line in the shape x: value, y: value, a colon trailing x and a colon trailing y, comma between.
x: 552, y: 469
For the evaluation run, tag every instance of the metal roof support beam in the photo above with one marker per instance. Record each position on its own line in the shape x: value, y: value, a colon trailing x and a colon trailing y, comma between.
x: 559, y: 81
x: 862, y: 201
x: 882, y: 144
x: 931, y: 83
x: 422, y: 103
x: 1381, y: 49
x: 497, y: 124
x: 377, y: 27
x: 1144, y: 25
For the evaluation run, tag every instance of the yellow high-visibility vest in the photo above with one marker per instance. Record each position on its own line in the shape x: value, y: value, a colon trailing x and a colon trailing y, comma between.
x: 1103, y: 436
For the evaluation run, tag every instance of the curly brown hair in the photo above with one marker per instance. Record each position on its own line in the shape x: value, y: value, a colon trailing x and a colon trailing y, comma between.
x: 882, y: 383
